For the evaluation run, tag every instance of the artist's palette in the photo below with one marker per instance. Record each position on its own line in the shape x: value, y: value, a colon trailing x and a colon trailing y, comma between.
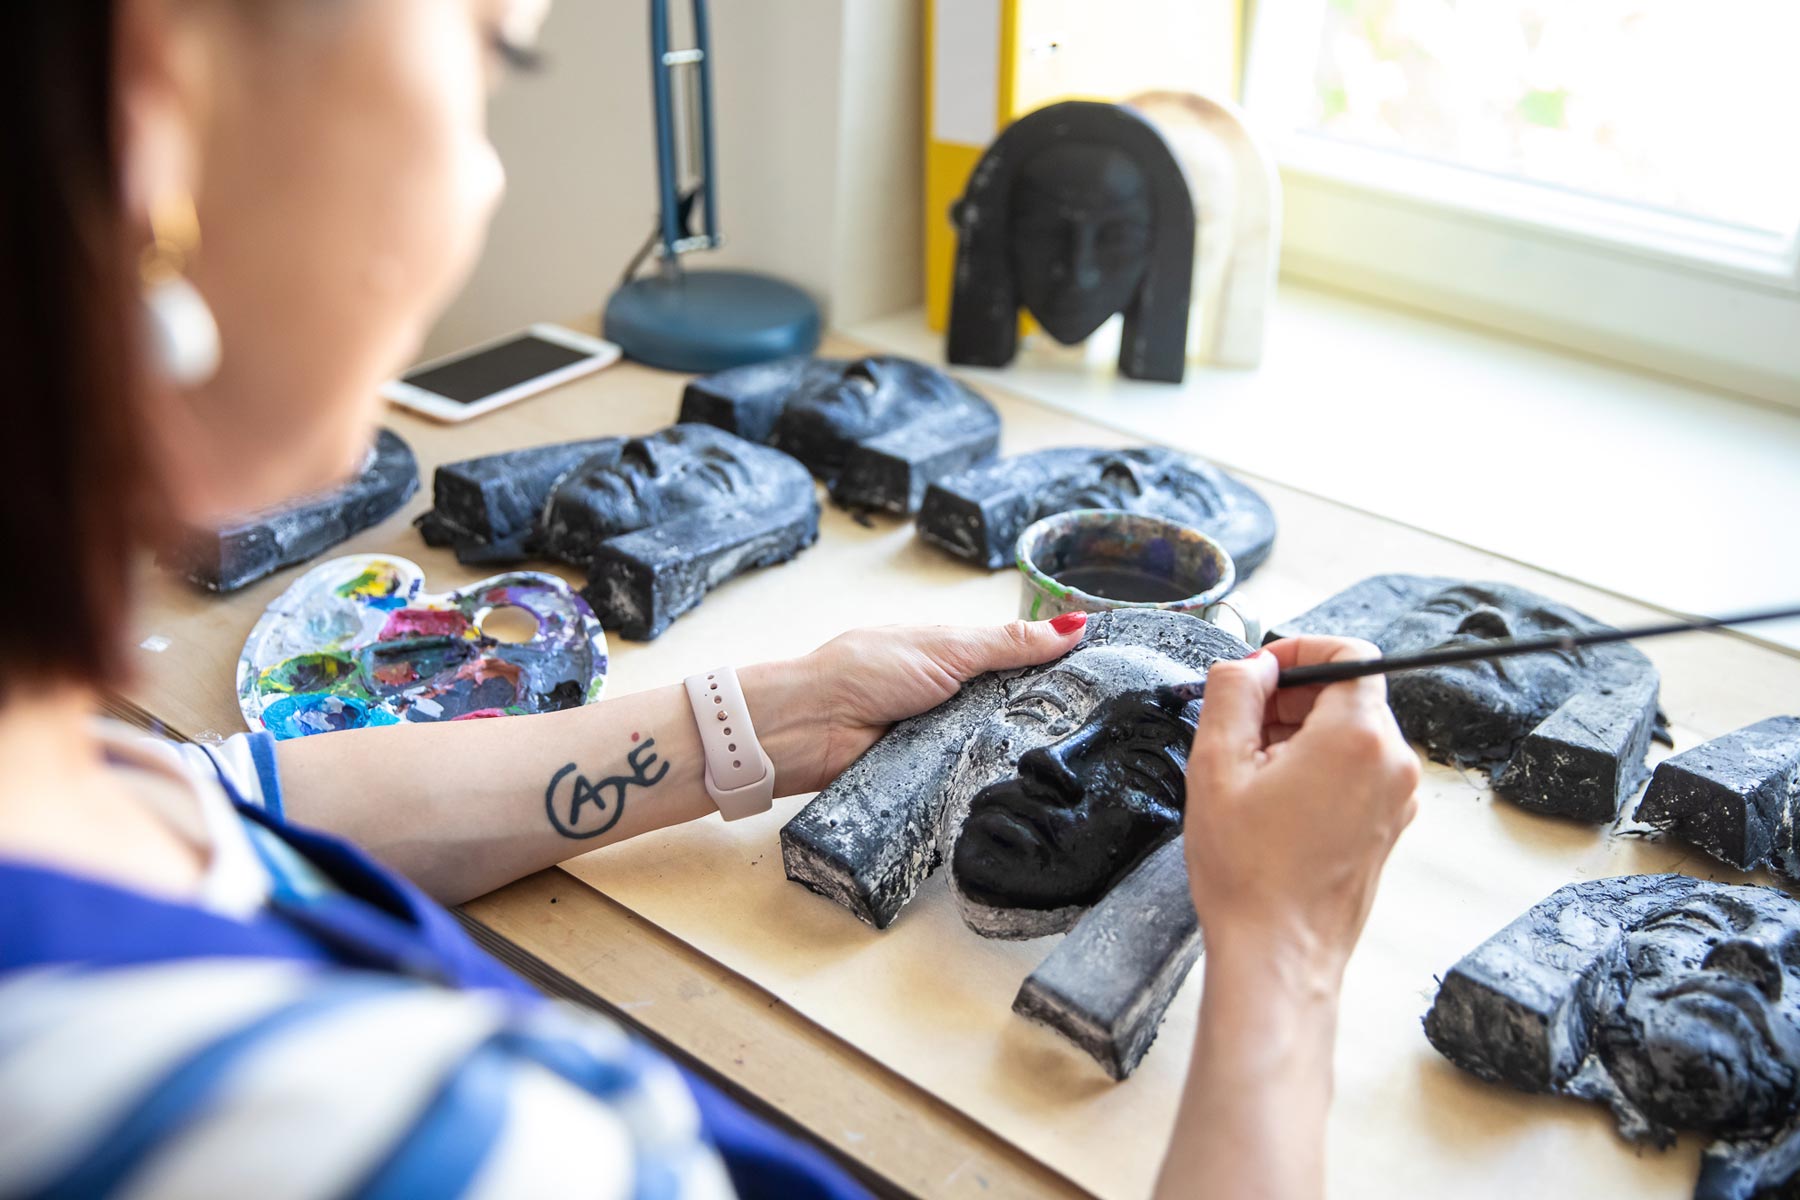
x: 357, y: 642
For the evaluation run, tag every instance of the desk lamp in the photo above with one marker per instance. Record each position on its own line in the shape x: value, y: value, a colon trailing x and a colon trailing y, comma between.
x: 677, y: 318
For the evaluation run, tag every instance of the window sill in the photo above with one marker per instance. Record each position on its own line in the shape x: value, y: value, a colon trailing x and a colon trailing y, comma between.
x: 1660, y: 490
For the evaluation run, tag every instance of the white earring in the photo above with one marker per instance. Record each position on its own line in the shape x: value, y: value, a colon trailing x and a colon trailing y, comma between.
x: 180, y: 334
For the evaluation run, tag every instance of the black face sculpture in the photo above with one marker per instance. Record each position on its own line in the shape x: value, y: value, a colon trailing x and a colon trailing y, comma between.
x: 226, y: 559
x: 1480, y: 710
x: 1562, y: 732
x: 1076, y: 212
x: 1674, y: 1000
x: 656, y: 521
x: 1082, y: 227
x: 876, y: 430
x: 677, y: 471
x: 979, y: 514
x: 1080, y: 813
x: 822, y: 424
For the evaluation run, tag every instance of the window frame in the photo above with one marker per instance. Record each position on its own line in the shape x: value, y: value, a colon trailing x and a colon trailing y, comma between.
x: 1706, y: 301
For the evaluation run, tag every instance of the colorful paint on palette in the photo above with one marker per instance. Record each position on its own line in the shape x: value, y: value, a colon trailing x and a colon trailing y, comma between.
x: 356, y: 642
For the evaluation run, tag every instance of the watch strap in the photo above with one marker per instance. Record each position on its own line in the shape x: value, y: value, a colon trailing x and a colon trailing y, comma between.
x: 738, y: 774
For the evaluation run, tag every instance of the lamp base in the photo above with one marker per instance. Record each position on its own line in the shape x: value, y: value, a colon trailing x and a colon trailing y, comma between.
x: 711, y: 320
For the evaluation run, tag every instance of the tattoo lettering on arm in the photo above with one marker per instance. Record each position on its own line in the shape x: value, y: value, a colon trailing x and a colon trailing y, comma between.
x: 587, y: 810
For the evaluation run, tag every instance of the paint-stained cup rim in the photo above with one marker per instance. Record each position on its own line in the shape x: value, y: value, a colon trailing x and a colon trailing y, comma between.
x: 1040, y: 534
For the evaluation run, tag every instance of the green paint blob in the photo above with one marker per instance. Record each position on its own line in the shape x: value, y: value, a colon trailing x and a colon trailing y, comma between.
x: 331, y: 674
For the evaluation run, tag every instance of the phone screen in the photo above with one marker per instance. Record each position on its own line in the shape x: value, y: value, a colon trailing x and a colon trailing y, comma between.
x: 495, y: 369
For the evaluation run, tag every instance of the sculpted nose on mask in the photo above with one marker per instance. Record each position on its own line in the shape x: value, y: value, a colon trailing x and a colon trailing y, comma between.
x: 1050, y: 767
x: 1084, y: 265
x: 1485, y: 623
x: 1750, y: 961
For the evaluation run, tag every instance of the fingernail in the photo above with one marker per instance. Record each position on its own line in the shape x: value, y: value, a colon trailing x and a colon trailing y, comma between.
x: 1260, y: 654
x: 1069, y: 622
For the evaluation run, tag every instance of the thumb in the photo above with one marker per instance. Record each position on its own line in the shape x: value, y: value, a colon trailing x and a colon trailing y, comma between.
x: 1233, y: 711
x: 972, y: 651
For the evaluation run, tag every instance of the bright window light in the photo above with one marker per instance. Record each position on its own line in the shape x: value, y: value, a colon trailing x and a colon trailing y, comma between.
x: 1674, y: 105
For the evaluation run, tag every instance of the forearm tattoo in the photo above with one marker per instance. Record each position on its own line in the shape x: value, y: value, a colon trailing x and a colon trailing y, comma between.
x: 586, y: 810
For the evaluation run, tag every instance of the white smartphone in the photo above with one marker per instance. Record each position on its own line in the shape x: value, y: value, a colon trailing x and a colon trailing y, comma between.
x: 472, y: 382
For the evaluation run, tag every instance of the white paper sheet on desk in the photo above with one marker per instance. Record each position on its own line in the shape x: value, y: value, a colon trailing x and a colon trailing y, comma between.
x: 932, y: 1001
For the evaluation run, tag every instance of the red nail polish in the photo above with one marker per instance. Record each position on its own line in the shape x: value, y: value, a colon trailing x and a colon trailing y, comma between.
x: 1069, y: 622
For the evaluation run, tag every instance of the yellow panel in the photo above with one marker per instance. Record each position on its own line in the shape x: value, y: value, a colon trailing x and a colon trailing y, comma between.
x: 947, y: 170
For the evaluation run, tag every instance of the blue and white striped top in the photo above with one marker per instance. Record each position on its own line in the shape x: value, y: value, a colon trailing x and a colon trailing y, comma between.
x: 273, y: 1041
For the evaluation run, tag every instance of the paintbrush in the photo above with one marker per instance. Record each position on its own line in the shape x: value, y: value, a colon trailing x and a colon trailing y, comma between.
x: 1336, y: 672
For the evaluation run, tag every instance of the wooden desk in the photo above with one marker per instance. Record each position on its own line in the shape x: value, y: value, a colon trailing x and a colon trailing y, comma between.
x: 610, y: 928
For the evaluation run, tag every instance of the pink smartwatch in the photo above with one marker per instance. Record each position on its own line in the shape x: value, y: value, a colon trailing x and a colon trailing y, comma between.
x: 739, y: 776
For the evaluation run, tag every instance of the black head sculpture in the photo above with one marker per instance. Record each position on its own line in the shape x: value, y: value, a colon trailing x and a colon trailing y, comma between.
x: 656, y: 521
x: 1563, y: 732
x: 877, y: 430
x: 1674, y: 1000
x: 1077, y: 211
x: 979, y: 514
x: 226, y: 559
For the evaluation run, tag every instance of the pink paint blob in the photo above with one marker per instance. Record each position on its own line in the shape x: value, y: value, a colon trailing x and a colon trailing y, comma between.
x: 424, y: 622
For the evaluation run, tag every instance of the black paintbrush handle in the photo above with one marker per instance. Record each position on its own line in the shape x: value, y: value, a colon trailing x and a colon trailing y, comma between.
x: 1337, y: 672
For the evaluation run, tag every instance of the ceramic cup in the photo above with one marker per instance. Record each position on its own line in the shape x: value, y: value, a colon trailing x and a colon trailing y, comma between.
x: 1096, y: 559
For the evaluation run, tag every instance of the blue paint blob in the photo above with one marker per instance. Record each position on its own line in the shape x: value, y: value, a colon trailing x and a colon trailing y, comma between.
x: 304, y: 715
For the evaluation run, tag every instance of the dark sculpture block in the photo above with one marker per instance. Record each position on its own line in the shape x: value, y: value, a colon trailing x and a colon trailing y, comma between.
x: 656, y: 521
x: 1674, y: 1001
x: 1734, y: 797
x: 979, y: 514
x: 1562, y: 732
x: 875, y: 430
x: 487, y: 509
x: 227, y: 559
x: 1076, y: 212
x: 1019, y: 784
x: 1108, y: 983
x: 1587, y: 759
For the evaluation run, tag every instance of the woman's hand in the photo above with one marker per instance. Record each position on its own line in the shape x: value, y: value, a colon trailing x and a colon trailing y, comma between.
x: 844, y: 695
x: 1295, y: 798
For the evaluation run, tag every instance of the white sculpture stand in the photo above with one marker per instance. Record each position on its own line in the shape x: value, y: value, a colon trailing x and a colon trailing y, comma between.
x: 1237, y: 203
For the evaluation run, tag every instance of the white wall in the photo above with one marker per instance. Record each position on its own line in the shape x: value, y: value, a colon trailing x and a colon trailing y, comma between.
x: 819, y: 151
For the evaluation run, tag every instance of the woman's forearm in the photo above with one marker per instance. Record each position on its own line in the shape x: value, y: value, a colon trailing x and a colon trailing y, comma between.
x: 1252, y: 1116
x: 464, y: 807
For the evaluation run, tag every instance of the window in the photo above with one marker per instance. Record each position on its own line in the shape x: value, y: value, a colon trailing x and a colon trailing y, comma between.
x: 1615, y: 175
